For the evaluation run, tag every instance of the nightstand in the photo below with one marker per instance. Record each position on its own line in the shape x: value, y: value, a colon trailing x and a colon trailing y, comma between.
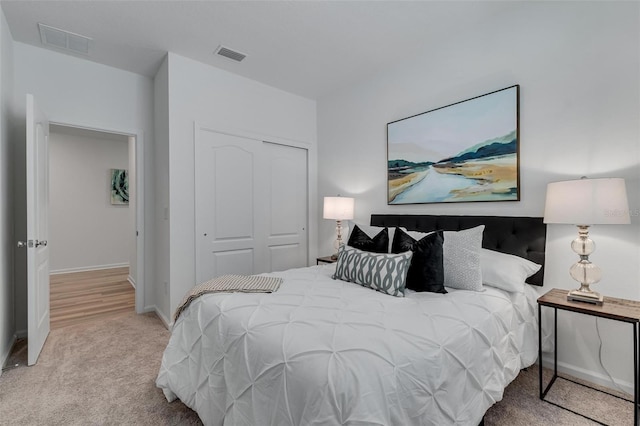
x: 325, y: 259
x: 614, y: 309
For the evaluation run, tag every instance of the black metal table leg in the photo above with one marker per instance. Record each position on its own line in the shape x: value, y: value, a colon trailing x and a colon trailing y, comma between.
x: 543, y: 391
x: 555, y: 343
x: 540, y: 349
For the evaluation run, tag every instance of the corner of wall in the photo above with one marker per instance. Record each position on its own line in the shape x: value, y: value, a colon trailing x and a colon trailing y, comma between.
x: 161, y: 223
x: 7, y: 298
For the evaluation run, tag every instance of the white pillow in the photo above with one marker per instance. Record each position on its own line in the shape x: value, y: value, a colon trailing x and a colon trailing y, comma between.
x: 371, y: 231
x: 416, y: 235
x: 461, y: 250
x: 506, y: 271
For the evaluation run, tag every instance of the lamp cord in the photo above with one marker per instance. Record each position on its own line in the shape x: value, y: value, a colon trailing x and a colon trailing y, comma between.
x: 602, y: 364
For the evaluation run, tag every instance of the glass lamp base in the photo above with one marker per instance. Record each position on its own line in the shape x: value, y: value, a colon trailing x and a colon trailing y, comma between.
x: 583, y: 271
x: 592, y: 297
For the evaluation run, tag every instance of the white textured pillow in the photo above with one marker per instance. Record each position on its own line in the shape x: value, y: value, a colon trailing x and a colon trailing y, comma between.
x: 461, y: 251
x: 506, y: 271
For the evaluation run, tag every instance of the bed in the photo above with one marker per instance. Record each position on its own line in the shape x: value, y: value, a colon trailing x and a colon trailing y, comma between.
x: 321, y: 351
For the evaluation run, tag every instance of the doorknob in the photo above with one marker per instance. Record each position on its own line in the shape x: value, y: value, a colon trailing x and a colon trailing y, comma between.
x: 28, y: 243
x: 42, y: 243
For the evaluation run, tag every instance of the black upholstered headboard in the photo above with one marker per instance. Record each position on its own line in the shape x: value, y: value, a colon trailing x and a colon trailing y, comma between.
x: 521, y: 236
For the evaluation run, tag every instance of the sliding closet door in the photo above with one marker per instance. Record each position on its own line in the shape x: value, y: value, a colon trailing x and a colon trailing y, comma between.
x: 228, y: 229
x: 287, y: 204
x: 251, y: 206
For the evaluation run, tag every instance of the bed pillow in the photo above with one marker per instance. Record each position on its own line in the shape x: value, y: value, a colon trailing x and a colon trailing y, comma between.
x: 426, y: 271
x: 360, y: 240
x: 372, y: 230
x: 506, y: 271
x: 462, y: 259
x: 386, y: 273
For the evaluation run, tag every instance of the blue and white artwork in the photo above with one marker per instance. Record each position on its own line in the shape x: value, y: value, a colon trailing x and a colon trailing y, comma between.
x: 119, y: 187
x: 467, y: 151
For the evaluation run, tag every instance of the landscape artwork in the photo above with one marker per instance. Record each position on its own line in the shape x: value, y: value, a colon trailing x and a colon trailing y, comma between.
x: 467, y: 151
x: 119, y: 187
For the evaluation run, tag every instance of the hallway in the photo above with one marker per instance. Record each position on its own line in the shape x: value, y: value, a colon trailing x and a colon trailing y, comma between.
x: 79, y: 297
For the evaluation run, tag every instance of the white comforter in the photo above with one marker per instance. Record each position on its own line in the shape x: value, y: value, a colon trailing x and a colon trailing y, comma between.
x: 326, y: 352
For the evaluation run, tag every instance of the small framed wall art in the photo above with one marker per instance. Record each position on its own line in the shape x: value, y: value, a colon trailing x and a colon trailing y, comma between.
x: 466, y: 151
x: 119, y: 187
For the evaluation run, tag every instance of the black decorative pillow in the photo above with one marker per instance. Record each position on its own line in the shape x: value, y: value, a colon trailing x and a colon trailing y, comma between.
x: 426, y: 272
x: 360, y: 240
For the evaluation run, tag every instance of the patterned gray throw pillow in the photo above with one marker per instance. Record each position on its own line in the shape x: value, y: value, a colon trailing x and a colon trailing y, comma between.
x: 386, y: 273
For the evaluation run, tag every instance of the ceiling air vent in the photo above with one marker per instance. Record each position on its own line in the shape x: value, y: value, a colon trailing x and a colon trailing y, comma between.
x: 65, y: 40
x: 230, y: 54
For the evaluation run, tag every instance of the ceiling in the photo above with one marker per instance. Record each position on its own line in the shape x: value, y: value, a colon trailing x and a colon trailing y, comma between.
x: 311, y: 48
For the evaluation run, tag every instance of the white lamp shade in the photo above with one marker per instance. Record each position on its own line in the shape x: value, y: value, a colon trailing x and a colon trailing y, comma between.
x: 338, y: 208
x: 587, y: 202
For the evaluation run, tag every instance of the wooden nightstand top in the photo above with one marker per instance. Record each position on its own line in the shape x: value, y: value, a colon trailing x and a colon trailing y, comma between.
x: 612, y: 308
x: 326, y: 259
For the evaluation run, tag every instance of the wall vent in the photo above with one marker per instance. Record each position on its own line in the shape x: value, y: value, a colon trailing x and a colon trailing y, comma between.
x: 230, y: 54
x: 65, y: 40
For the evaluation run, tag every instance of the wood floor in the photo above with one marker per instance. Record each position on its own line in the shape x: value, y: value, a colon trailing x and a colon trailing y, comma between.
x: 78, y: 297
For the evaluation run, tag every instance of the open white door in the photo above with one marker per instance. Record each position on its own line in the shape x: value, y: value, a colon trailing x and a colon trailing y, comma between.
x: 37, y: 229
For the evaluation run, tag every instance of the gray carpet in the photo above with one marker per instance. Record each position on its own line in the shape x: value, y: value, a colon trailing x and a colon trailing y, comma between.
x: 103, y: 373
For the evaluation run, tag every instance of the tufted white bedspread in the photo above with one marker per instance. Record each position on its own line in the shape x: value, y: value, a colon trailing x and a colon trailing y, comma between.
x: 326, y: 352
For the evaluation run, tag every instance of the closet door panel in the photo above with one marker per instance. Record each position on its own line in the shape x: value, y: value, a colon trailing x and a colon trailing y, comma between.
x: 287, y: 206
x: 251, y: 206
x: 233, y: 262
x: 226, y: 180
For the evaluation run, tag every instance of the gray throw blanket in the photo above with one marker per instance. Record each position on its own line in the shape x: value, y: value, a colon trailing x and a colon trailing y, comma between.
x: 230, y: 284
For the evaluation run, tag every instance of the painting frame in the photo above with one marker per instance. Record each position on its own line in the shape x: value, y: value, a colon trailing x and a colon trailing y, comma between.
x: 119, y: 187
x: 467, y: 151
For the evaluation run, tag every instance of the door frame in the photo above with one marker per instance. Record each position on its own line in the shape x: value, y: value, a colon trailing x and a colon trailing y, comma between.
x: 138, y: 135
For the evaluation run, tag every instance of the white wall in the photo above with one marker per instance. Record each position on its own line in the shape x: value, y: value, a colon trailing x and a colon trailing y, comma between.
x: 7, y: 242
x: 161, y: 228
x: 85, y: 230
x: 220, y: 100
x: 577, y: 64
x: 77, y: 92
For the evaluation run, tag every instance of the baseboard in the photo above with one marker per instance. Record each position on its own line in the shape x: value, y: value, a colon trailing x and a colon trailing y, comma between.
x: 165, y: 321
x: 590, y: 376
x: 22, y: 334
x: 89, y: 268
x: 131, y: 281
x: 5, y: 356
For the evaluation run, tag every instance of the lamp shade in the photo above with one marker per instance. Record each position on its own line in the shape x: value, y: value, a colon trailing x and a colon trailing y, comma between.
x: 338, y: 208
x: 587, y: 202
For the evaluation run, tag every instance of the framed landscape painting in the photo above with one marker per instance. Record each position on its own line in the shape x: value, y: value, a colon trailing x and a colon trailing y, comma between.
x: 467, y: 151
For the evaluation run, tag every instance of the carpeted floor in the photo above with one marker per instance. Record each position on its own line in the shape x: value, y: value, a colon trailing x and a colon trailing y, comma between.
x: 103, y: 373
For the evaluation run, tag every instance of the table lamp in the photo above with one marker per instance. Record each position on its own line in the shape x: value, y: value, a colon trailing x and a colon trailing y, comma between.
x: 339, y: 209
x: 585, y: 202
